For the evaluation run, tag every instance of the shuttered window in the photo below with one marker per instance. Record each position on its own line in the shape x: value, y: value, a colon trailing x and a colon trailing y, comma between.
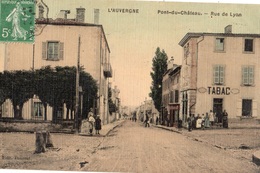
x: 219, y: 44
x: 248, y: 75
x: 53, y: 50
x: 219, y: 74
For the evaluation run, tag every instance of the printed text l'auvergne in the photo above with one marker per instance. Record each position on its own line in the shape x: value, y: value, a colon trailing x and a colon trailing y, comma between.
x: 123, y: 10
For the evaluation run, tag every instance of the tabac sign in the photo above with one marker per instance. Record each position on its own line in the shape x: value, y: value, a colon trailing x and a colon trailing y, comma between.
x: 17, y: 21
x: 212, y: 90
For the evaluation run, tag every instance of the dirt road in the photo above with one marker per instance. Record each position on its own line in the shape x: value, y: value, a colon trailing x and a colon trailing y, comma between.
x: 128, y: 148
x: 133, y: 148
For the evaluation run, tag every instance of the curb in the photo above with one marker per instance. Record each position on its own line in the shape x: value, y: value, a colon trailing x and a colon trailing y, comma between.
x: 256, y: 158
x: 114, y: 128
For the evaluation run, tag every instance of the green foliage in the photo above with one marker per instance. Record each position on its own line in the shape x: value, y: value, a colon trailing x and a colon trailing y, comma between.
x: 53, y: 86
x: 18, y: 87
x: 159, y: 67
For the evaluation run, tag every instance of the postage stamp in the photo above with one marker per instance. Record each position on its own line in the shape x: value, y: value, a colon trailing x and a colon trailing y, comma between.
x: 17, y: 20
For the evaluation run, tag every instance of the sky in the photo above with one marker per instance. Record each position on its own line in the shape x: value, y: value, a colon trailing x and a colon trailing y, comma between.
x: 134, y: 37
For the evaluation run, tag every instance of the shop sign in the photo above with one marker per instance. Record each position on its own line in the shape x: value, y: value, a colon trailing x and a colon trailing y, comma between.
x: 219, y: 90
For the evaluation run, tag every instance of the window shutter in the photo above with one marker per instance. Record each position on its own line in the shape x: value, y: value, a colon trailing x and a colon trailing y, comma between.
x: 44, y: 50
x: 239, y: 107
x: 216, y: 74
x: 245, y: 75
x: 61, y: 53
x: 221, y: 74
x: 254, y: 106
x: 251, y: 75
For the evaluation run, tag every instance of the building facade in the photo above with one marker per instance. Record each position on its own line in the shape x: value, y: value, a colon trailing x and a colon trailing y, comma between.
x: 57, y: 44
x: 220, y: 71
x: 170, y: 95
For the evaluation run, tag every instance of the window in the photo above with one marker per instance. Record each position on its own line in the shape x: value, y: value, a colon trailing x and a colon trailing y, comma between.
x: 186, y: 50
x: 248, y: 75
x: 249, y: 44
x: 246, y: 107
x: 38, y: 109
x: 219, y: 44
x: 52, y: 50
x: 176, y: 96
x: 219, y: 74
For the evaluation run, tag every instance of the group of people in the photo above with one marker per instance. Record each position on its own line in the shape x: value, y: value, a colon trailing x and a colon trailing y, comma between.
x: 94, y: 121
x: 208, y: 120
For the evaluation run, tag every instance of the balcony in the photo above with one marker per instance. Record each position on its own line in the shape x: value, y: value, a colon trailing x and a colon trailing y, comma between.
x: 107, y: 70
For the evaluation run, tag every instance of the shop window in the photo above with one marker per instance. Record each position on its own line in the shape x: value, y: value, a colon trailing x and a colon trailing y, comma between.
x: 248, y: 75
x: 248, y: 45
x: 52, y: 50
x: 219, y: 74
x: 220, y: 44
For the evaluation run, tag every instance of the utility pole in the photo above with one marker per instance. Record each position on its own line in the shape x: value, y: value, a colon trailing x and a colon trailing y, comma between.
x: 77, y: 90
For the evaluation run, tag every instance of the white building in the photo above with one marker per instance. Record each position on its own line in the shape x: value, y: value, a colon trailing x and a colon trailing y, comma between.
x: 220, y: 71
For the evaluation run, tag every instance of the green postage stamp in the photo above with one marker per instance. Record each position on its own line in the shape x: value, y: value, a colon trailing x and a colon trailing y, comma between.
x: 17, y: 20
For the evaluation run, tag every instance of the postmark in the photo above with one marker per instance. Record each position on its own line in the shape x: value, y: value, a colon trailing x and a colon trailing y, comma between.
x: 17, y: 21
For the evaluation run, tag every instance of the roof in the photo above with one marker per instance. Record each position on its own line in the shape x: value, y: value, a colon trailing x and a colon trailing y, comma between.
x: 172, y: 70
x: 71, y: 22
x: 190, y: 35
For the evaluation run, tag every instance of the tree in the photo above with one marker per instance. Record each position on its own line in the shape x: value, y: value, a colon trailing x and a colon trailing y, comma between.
x: 18, y: 87
x: 56, y: 86
x: 159, y: 67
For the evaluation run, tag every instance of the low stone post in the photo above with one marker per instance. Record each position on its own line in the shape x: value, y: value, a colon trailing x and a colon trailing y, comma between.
x: 40, y: 143
x: 43, y: 141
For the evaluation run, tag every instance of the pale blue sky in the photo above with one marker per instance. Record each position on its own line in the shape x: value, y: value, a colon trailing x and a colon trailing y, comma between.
x: 133, y: 38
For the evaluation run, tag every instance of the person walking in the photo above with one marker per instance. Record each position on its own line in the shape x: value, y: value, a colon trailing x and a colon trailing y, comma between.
x: 147, y: 123
x: 98, y: 124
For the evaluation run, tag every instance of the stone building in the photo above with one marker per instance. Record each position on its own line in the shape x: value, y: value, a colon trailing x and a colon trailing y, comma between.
x: 56, y: 44
x: 220, y: 71
x: 170, y: 95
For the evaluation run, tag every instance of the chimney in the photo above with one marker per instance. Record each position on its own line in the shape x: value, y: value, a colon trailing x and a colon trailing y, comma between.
x: 228, y: 29
x: 64, y: 13
x: 170, y: 63
x: 80, y: 15
x: 41, y: 11
x: 96, y: 16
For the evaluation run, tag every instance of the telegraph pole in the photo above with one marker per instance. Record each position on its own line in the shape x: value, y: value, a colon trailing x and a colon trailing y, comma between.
x: 77, y: 90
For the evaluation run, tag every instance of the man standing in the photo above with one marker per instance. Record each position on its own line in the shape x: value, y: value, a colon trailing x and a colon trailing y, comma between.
x: 225, y: 119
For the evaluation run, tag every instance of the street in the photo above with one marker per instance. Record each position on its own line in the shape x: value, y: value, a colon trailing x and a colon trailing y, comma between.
x: 130, y: 147
x: 134, y: 148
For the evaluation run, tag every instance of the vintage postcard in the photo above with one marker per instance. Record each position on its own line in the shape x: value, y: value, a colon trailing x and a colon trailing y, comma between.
x: 129, y: 86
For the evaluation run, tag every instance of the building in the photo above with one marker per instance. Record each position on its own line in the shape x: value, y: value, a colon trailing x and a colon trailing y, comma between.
x: 220, y: 71
x: 147, y: 107
x: 57, y: 44
x: 170, y: 95
x: 116, y: 101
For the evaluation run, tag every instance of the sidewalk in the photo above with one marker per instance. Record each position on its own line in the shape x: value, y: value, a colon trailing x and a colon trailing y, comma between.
x: 107, y: 128
x: 241, y: 136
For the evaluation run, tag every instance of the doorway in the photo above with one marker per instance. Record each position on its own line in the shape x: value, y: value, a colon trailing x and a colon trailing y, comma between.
x: 218, y: 108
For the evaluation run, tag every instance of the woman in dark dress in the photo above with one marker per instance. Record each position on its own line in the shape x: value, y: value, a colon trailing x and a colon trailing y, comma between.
x: 98, y: 124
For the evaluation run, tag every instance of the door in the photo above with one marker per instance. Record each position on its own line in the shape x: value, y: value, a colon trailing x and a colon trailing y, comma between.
x: 218, y: 108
